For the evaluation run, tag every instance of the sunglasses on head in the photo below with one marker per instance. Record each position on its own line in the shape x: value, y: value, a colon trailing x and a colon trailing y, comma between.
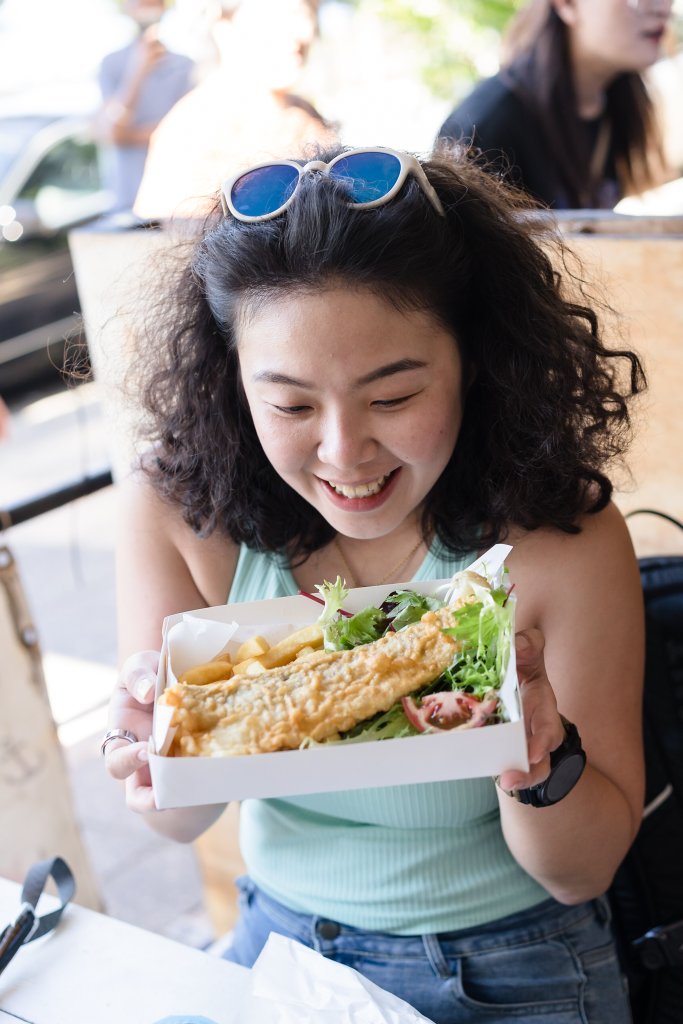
x: 372, y: 176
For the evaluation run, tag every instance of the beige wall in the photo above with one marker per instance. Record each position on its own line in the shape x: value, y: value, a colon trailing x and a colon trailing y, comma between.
x: 111, y: 267
x: 641, y: 272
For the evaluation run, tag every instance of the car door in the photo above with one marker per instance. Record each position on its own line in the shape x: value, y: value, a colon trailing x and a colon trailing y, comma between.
x: 38, y: 297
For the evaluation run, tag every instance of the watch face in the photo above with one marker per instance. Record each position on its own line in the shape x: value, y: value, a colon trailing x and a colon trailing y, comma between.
x: 564, y: 776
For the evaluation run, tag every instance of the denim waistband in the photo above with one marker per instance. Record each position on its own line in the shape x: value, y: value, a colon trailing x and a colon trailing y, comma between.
x: 541, y: 921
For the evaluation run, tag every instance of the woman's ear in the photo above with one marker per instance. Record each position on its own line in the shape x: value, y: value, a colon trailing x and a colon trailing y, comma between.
x: 566, y: 11
x: 468, y: 378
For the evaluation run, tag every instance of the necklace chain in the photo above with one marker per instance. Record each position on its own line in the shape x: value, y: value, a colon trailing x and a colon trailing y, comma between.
x: 388, y: 576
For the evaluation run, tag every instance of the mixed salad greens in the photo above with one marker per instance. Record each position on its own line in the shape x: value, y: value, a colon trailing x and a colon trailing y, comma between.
x: 467, y: 692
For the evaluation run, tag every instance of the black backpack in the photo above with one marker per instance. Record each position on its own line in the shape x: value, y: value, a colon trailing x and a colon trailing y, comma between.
x: 647, y: 892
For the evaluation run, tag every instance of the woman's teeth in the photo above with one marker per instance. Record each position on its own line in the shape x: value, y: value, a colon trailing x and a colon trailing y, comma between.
x: 361, y: 490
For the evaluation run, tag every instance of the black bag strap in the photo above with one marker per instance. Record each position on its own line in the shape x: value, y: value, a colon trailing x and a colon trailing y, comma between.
x: 661, y: 946
x: 27, y: 926
x: 654, y: 512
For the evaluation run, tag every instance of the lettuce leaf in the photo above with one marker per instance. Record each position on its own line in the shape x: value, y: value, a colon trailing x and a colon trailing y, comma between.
x: 407, y: 606
x: 362, y: 628
x: 334, y: 595
x: 484, y: 628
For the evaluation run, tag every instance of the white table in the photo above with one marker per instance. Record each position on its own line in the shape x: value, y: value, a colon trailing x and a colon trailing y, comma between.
x: 95, y: 970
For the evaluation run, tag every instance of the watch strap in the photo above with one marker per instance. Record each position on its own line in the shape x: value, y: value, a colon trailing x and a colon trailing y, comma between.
x: 537, y: 796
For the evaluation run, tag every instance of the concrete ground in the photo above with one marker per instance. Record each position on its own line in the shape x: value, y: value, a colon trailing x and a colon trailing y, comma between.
x: 66, y: 562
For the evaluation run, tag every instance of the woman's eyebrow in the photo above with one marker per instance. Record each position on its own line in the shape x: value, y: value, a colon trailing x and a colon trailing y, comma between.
x: 271, y: 377
x: 400, y: 366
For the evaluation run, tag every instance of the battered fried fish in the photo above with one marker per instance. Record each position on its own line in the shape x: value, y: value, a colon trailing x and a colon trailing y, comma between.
x: 315, y: 697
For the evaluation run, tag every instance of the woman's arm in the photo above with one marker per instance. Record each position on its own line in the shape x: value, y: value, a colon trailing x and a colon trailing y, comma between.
x: 162, y: 568
x: 583, y: 593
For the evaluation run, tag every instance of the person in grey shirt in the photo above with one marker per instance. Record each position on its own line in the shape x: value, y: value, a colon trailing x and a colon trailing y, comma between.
x: 139, y: 84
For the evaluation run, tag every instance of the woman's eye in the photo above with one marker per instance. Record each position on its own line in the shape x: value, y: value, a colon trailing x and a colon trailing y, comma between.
x: 291, y: 410
x: 388, y: 403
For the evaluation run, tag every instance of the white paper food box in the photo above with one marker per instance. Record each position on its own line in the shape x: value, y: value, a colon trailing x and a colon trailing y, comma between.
x: 192, y: 638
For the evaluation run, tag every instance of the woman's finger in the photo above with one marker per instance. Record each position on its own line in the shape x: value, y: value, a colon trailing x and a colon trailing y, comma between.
x: 123, y: 759
x: 139, y: 795
x: 523, y: 780
x: 544, y: 727
x: 138, y: 676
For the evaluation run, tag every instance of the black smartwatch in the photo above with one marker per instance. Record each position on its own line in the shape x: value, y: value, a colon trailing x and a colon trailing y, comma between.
x: 566, y: 767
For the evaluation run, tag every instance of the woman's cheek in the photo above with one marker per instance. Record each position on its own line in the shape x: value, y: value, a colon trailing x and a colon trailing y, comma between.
x: 429, y: 433
x: 283, y: 443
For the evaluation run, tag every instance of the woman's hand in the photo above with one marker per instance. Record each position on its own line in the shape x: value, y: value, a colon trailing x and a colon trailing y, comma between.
x: 544, y: 728
x: 131, y: 707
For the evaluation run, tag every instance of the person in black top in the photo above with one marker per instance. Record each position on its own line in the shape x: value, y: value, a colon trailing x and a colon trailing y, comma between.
x: 568, y: 118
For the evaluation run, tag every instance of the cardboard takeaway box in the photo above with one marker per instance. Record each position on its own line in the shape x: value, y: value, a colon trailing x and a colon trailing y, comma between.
x: 197, y: 636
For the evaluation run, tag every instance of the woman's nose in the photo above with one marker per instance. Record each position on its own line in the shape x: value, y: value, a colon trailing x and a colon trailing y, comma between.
x: 345, y: 442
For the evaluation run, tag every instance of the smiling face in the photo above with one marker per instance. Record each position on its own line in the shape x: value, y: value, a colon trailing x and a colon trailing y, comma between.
x: 357, y: 406
x: 615, y: 36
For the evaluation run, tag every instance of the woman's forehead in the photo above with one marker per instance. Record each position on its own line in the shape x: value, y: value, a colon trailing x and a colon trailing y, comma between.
x: 305, y: 305
x: 352, y: 336
x: 338, y: 309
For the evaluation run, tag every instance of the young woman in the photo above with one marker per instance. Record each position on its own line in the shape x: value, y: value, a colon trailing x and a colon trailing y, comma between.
x: 568, y: 118
x: 367, y: 366
x: 243, y: 109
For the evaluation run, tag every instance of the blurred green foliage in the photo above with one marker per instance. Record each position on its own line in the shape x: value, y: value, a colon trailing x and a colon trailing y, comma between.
x: 458, y: 39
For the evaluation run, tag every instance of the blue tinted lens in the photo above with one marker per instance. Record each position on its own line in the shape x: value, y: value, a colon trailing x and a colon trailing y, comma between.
x: 264, y: 190
x: 369, y: 175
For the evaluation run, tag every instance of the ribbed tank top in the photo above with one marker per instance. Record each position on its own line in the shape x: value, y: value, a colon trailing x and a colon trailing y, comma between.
x: 405, y: 860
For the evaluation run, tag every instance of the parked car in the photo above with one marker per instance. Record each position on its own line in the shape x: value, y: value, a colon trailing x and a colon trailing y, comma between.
x: 49, y: 182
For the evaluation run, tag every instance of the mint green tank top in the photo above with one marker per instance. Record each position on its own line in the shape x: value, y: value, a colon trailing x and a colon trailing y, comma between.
x: 405, y: 860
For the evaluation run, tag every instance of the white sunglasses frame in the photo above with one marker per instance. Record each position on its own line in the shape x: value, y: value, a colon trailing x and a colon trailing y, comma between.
x: 409, y: 165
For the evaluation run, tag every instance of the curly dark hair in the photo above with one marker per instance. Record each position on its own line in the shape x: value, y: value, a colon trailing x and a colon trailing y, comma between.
x: 547, y: 409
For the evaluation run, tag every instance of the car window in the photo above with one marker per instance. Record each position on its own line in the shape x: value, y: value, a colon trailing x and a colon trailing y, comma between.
x: 15, y: 134
x: 71, y: 166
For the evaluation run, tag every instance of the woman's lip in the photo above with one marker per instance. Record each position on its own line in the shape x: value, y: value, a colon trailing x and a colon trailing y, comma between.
x: 357, y: 483
x: 361, y: 504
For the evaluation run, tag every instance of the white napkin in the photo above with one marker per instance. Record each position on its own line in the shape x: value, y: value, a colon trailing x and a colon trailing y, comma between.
x: 292, y: 984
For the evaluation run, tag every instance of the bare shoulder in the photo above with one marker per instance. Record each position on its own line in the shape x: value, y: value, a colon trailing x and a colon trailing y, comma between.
x: 583, y: 591
x: 552, y: 568
x: 159, y: 541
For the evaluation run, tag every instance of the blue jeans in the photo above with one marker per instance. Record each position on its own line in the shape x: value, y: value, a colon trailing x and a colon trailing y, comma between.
x: 548, y: 965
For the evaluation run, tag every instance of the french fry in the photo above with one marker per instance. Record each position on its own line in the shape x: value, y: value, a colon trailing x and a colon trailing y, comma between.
x: 305, y: 641
x: 286, y: 650
x: 212, y: 672
x: 246, y: 667
x: 251, y: 648
x: 255, y: 668
x: 304, y: 653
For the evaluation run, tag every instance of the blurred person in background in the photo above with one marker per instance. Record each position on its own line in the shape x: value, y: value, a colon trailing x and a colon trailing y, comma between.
x: 4, y: 421
x: 139, y: 85
x: 568, y: 117
x: 243, y: 111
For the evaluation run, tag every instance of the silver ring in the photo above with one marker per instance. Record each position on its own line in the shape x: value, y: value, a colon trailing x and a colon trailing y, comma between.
x: 117, y: 734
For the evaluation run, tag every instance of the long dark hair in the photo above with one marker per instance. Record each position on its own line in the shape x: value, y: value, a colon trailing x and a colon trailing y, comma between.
x: 537, y: 65
x: 546, y: 411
